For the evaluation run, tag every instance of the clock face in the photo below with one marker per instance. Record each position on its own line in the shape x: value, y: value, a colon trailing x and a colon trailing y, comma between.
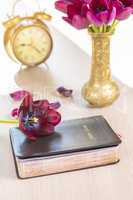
x: 32, y: 45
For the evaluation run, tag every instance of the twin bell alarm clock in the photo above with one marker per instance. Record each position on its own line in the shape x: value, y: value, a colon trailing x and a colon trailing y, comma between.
x: 27, y: 40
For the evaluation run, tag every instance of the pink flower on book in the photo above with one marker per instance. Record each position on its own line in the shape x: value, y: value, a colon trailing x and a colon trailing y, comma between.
x: 37, y: 118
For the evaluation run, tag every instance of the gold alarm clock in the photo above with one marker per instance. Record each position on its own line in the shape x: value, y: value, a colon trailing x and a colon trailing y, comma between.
x: 28, y: 39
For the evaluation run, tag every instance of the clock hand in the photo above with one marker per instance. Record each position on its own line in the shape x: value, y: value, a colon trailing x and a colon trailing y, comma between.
x: 36, y: 49
x: 31, y: 45
x: 24, y: 45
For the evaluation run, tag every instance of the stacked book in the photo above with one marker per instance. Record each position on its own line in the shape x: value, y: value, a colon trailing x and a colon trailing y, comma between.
x: 77, y: 144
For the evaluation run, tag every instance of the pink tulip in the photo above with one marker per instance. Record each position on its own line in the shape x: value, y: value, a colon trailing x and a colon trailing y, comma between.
x: 124, y: 8
x: 38, y: 118
x: 101, y: 12
x: 62, y: 5
x: 76, y: 12
x: 82, y: 13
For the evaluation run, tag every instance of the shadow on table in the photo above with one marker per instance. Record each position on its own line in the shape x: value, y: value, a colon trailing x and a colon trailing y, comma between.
x: 35, y: 79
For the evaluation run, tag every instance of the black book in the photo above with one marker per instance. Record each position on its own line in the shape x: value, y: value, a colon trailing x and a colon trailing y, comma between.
x: 76, y: 144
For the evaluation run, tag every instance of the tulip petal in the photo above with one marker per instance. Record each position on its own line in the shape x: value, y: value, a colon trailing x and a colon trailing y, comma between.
x: 103, y: 16
x: 15, y: 113
x: 84, y: 9
x: 71, y: 11
x: 112, y: 15
x: 77, y: 3
x: 53, y: 117
x: 79, y: 22
x: 55, y: 105
x: 62, y: 5
x: 29, y: 134
x: 124, y: 13
x: 127, y: 3
x: 18, y: 95
x: 26, y: 104
x: 65, y: 92
x: 118, y: 5
x: 48, y: 129
x: 42, y: 104
x: 68, y: 20
x: 93, y: 19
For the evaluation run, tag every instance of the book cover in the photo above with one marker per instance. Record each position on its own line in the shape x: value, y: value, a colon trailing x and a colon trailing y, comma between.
x: 76, y: 144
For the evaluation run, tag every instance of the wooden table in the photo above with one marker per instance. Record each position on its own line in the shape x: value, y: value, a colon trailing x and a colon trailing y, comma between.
x: 69, y: 67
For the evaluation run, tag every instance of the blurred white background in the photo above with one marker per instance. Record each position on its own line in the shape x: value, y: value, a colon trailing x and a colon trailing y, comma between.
x: 121, y: 44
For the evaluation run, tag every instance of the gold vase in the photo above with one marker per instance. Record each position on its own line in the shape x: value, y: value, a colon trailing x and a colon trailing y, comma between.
x: 100, y: 90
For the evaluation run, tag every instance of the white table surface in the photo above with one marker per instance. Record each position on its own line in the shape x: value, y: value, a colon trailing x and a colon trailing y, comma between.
x: 112, y: 182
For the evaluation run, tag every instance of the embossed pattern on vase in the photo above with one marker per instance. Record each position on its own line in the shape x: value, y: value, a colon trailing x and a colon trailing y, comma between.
x: 100, y: 59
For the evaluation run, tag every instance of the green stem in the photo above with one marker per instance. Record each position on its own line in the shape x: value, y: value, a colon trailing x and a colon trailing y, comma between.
x: 90, y: 29
x: 113, y: 26
x: 104, y: 28
x: 100, y: 29
x: 9, y: 121
x: 95, y: 29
